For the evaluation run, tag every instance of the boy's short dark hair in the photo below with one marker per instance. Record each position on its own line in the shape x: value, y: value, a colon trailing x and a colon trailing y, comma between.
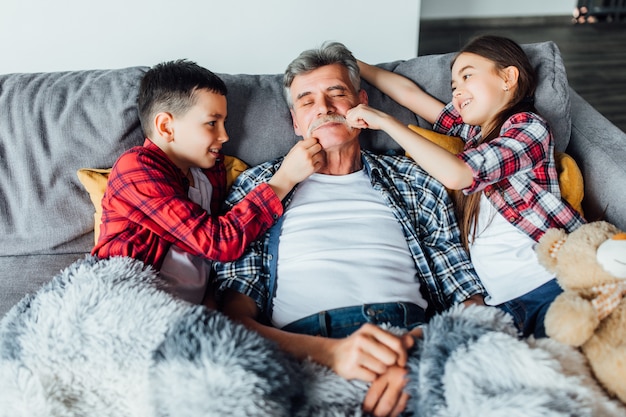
x: 171, y: 86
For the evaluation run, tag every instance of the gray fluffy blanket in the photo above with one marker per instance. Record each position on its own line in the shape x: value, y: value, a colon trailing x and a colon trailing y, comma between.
x: 101, y: 339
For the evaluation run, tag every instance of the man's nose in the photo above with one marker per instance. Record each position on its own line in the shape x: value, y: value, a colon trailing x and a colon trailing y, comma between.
x: 325, y: 106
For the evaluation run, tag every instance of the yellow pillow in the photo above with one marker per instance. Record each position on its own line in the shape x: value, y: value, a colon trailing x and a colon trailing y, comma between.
x: 570, y: 177
x: 95, y: 182
x: 452, y: 144
x: 570, y: 181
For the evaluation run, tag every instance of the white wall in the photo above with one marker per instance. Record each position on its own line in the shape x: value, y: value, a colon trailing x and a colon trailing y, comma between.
x: 441, y: 9
x: 232, y: 36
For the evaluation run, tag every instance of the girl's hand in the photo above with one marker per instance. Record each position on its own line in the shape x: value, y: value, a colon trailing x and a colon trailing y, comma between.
x: 365, y: 117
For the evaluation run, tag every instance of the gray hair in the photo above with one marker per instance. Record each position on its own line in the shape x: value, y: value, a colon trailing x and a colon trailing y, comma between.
x: 327, y: 54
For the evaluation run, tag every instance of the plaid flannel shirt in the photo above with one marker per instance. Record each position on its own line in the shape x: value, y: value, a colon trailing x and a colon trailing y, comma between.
x: 419, y: 202
x: 146, y: 208
x: 516, y: 171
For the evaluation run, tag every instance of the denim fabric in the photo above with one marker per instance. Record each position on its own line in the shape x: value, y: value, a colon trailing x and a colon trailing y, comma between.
x: 529, y: 310
x: 342, y: 322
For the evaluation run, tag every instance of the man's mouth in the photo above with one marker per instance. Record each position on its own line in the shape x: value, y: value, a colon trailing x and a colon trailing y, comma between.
x: 465, y: 103
x: 330, y: 119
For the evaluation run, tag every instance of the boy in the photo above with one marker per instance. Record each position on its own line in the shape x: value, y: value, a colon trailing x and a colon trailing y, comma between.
x: 162, y: 198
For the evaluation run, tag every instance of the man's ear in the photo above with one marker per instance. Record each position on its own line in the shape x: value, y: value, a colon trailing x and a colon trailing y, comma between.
x: 296, y: 128
x: 363, y: 99
x: 163, y: 126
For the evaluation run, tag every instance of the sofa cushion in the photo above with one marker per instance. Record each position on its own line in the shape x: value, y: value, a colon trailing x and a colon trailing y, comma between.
x: 25, y: 274
x: 51, y: 125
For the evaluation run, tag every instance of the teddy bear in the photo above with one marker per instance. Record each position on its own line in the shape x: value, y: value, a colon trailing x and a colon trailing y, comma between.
x: 590, y: 266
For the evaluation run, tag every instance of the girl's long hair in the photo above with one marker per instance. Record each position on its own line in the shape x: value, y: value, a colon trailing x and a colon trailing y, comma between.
x: 503, y: 52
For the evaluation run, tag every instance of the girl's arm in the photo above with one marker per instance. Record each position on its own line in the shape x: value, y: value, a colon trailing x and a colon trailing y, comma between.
x: 452, y: 172
x: 402, y: 90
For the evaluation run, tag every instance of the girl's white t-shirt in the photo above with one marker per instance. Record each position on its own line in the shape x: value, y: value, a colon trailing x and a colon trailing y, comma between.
x: 504, y: 257
x: 188, y: 275
x: 340, y: 246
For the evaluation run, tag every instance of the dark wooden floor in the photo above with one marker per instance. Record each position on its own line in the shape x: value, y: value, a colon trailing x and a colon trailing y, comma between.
x: 594, y: 54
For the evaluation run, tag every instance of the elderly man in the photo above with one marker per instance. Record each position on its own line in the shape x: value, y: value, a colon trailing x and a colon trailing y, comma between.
x: 368, y: 239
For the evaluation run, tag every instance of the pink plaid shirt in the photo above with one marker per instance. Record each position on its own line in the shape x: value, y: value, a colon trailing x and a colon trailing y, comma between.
x: 516, y: 171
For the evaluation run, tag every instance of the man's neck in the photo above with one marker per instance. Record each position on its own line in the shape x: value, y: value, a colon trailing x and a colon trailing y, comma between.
x: 342, y: 162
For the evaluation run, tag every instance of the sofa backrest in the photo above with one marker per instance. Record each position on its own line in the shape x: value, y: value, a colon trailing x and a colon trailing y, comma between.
x: 260, y: 124
x: 52, y: 124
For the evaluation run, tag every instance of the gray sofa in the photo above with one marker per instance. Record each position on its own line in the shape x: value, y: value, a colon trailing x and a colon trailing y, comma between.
x: 52, y: 124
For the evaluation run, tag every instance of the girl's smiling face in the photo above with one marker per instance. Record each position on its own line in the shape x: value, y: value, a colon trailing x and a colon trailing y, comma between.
x: 479, y: 90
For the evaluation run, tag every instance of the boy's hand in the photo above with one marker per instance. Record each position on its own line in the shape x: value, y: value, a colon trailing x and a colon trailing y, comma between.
x: 305, y: 158
x: 365, y: 117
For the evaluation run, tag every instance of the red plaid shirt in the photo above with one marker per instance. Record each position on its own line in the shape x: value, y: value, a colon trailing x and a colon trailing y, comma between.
x: 516, y: 171
x: 146, y: 209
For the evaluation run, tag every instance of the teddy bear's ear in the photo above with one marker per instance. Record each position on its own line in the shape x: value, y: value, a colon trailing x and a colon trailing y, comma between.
x: 548, y: 247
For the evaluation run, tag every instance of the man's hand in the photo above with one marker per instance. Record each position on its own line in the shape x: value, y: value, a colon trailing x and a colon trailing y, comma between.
x: 368, y: 353
x: 385, y: 396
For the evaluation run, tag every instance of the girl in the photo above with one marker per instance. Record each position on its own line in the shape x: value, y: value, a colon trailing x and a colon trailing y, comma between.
x: 506, y: 173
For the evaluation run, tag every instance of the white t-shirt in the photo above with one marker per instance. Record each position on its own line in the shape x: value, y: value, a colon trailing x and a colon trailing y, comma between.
x: 187, y: 274
x: 504, y: 258
x: 340, y: 246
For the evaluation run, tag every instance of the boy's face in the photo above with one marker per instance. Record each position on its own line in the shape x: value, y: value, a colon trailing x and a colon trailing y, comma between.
x: 199, y: 133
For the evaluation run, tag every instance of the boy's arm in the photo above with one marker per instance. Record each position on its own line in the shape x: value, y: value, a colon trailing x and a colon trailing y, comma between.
x: 402, y: 90
x: 141, y: 190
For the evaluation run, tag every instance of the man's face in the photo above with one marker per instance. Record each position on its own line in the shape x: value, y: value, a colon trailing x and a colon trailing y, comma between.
x: 321, y: 99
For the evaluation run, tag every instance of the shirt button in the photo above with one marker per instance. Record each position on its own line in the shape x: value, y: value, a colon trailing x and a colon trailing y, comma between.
x: 512, y: 219
x: 270, y: 257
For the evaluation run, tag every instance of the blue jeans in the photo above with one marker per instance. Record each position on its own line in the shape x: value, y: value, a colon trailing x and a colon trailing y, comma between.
x: 529, y: 310
x: 342, y: 322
